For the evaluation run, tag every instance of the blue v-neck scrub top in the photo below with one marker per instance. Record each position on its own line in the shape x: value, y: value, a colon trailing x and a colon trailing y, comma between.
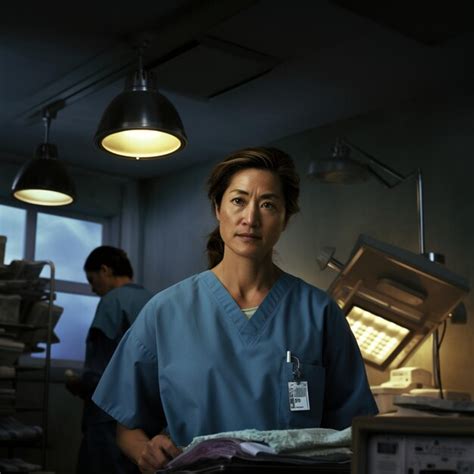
x: 194, y: 357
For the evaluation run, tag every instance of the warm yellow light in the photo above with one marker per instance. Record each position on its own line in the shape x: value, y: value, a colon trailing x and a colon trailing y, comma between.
x: 43, y: 197
x: 141, y: 143
x: 377, y: 337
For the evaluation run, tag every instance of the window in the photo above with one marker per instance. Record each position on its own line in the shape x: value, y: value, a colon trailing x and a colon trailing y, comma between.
x: 66, y: 241
x: 73, y: 325
x: 13, y: 226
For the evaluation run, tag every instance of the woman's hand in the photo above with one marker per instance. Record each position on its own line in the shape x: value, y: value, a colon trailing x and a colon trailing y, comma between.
x: 156, y: 453
x: 148, y: 454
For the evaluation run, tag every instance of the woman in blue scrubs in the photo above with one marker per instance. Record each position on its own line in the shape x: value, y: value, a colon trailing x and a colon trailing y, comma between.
x: 242, y: 345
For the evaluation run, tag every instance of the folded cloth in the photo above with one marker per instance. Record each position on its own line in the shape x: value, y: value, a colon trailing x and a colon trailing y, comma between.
x: 10, y: 350
x: 321, y: 442
x: 7, y: 372
x: 18, y: 465
x: 11, y: 428
x: 21, y: 270
x: 38, y: 315
x: 10, y: 308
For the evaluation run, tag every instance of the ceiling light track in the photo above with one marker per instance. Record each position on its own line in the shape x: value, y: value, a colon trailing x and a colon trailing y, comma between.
x: 168, y: 41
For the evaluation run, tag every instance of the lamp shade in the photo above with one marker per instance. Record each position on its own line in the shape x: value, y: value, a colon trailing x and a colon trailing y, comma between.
x: 339, y: 168
x: 393, y: 299
x: 140, y: 122
x: 44, y: 180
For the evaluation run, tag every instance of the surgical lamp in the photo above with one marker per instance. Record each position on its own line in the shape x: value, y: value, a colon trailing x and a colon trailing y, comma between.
x: 393, y: 299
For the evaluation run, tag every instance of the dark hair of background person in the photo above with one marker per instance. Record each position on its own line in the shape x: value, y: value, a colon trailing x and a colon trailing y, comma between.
x: 114, y: 258
x: 270, y: 159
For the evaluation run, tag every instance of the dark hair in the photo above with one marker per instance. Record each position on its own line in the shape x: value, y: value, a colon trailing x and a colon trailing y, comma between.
x: 270, y: 159
x: 112, y: 257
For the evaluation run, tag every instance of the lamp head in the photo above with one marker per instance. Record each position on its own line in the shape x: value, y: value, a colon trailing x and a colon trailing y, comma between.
x: 140, y: 122
x: 339, y: 168
x: 326, y: 259
x: 394, y: 299
x: 44, y: 180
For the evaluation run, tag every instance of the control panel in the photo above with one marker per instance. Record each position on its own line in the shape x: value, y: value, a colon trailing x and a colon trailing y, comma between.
x: 418, y: 454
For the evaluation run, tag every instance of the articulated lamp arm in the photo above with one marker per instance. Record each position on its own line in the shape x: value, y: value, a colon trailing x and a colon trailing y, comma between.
x: 375, y: 164
x: 375, y: 167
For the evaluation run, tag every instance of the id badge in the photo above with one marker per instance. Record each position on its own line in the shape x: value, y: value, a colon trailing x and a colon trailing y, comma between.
x: 298, y: 396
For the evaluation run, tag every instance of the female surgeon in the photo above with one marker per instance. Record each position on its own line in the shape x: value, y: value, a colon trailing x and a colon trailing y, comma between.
x: 242, y: 345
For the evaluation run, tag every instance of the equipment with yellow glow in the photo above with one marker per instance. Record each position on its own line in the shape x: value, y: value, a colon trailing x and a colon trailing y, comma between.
x: 393, y: 299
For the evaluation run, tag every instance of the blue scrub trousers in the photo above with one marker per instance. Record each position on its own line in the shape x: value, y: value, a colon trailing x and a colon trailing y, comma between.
x: 99, y: 453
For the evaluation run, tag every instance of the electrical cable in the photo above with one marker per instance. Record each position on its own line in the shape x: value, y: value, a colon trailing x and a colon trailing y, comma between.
x: 442, y: 335
x: 437, y: 364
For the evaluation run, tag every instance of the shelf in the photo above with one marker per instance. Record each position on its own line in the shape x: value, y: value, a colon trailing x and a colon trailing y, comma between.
x: 21, y: 326
x: 28, y: 409
x: 29, y: 368
x: 21, y: 443
x: 27, y: 294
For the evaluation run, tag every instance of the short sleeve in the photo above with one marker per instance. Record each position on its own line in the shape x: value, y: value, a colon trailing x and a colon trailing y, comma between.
x: 347, y: 392
x: 129, y: 390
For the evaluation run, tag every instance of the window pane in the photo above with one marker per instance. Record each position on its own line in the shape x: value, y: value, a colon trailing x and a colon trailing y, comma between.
x: 13, y: 225
x: 67, y: 242
x: 72, y: 326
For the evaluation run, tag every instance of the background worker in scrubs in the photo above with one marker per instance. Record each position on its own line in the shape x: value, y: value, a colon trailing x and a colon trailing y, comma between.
x: 110, y: 274
x: 243, y: 345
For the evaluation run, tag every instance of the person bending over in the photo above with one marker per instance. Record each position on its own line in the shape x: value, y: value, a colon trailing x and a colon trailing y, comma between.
x: 110, y: 275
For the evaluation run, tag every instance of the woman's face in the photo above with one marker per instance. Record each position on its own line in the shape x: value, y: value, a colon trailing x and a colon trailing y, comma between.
x: 252, y: 213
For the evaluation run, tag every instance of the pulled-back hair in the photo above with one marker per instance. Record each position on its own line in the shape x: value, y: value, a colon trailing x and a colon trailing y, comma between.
x: 271, y: 159
x: 114, y: 258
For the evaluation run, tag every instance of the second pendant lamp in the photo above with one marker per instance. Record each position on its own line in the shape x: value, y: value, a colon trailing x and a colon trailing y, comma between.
x: 44, y: 180
x: 141, y: 123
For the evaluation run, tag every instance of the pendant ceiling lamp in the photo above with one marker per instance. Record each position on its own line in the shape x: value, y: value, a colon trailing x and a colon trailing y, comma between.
x: 140, y: 123
x: 44, y: 180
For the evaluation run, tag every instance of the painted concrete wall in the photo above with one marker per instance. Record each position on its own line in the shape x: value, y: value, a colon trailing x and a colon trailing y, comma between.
x: 177, y: 221
x: 436, y: 136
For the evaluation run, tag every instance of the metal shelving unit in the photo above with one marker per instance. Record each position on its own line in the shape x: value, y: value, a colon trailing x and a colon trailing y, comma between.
x: 46, y: 294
